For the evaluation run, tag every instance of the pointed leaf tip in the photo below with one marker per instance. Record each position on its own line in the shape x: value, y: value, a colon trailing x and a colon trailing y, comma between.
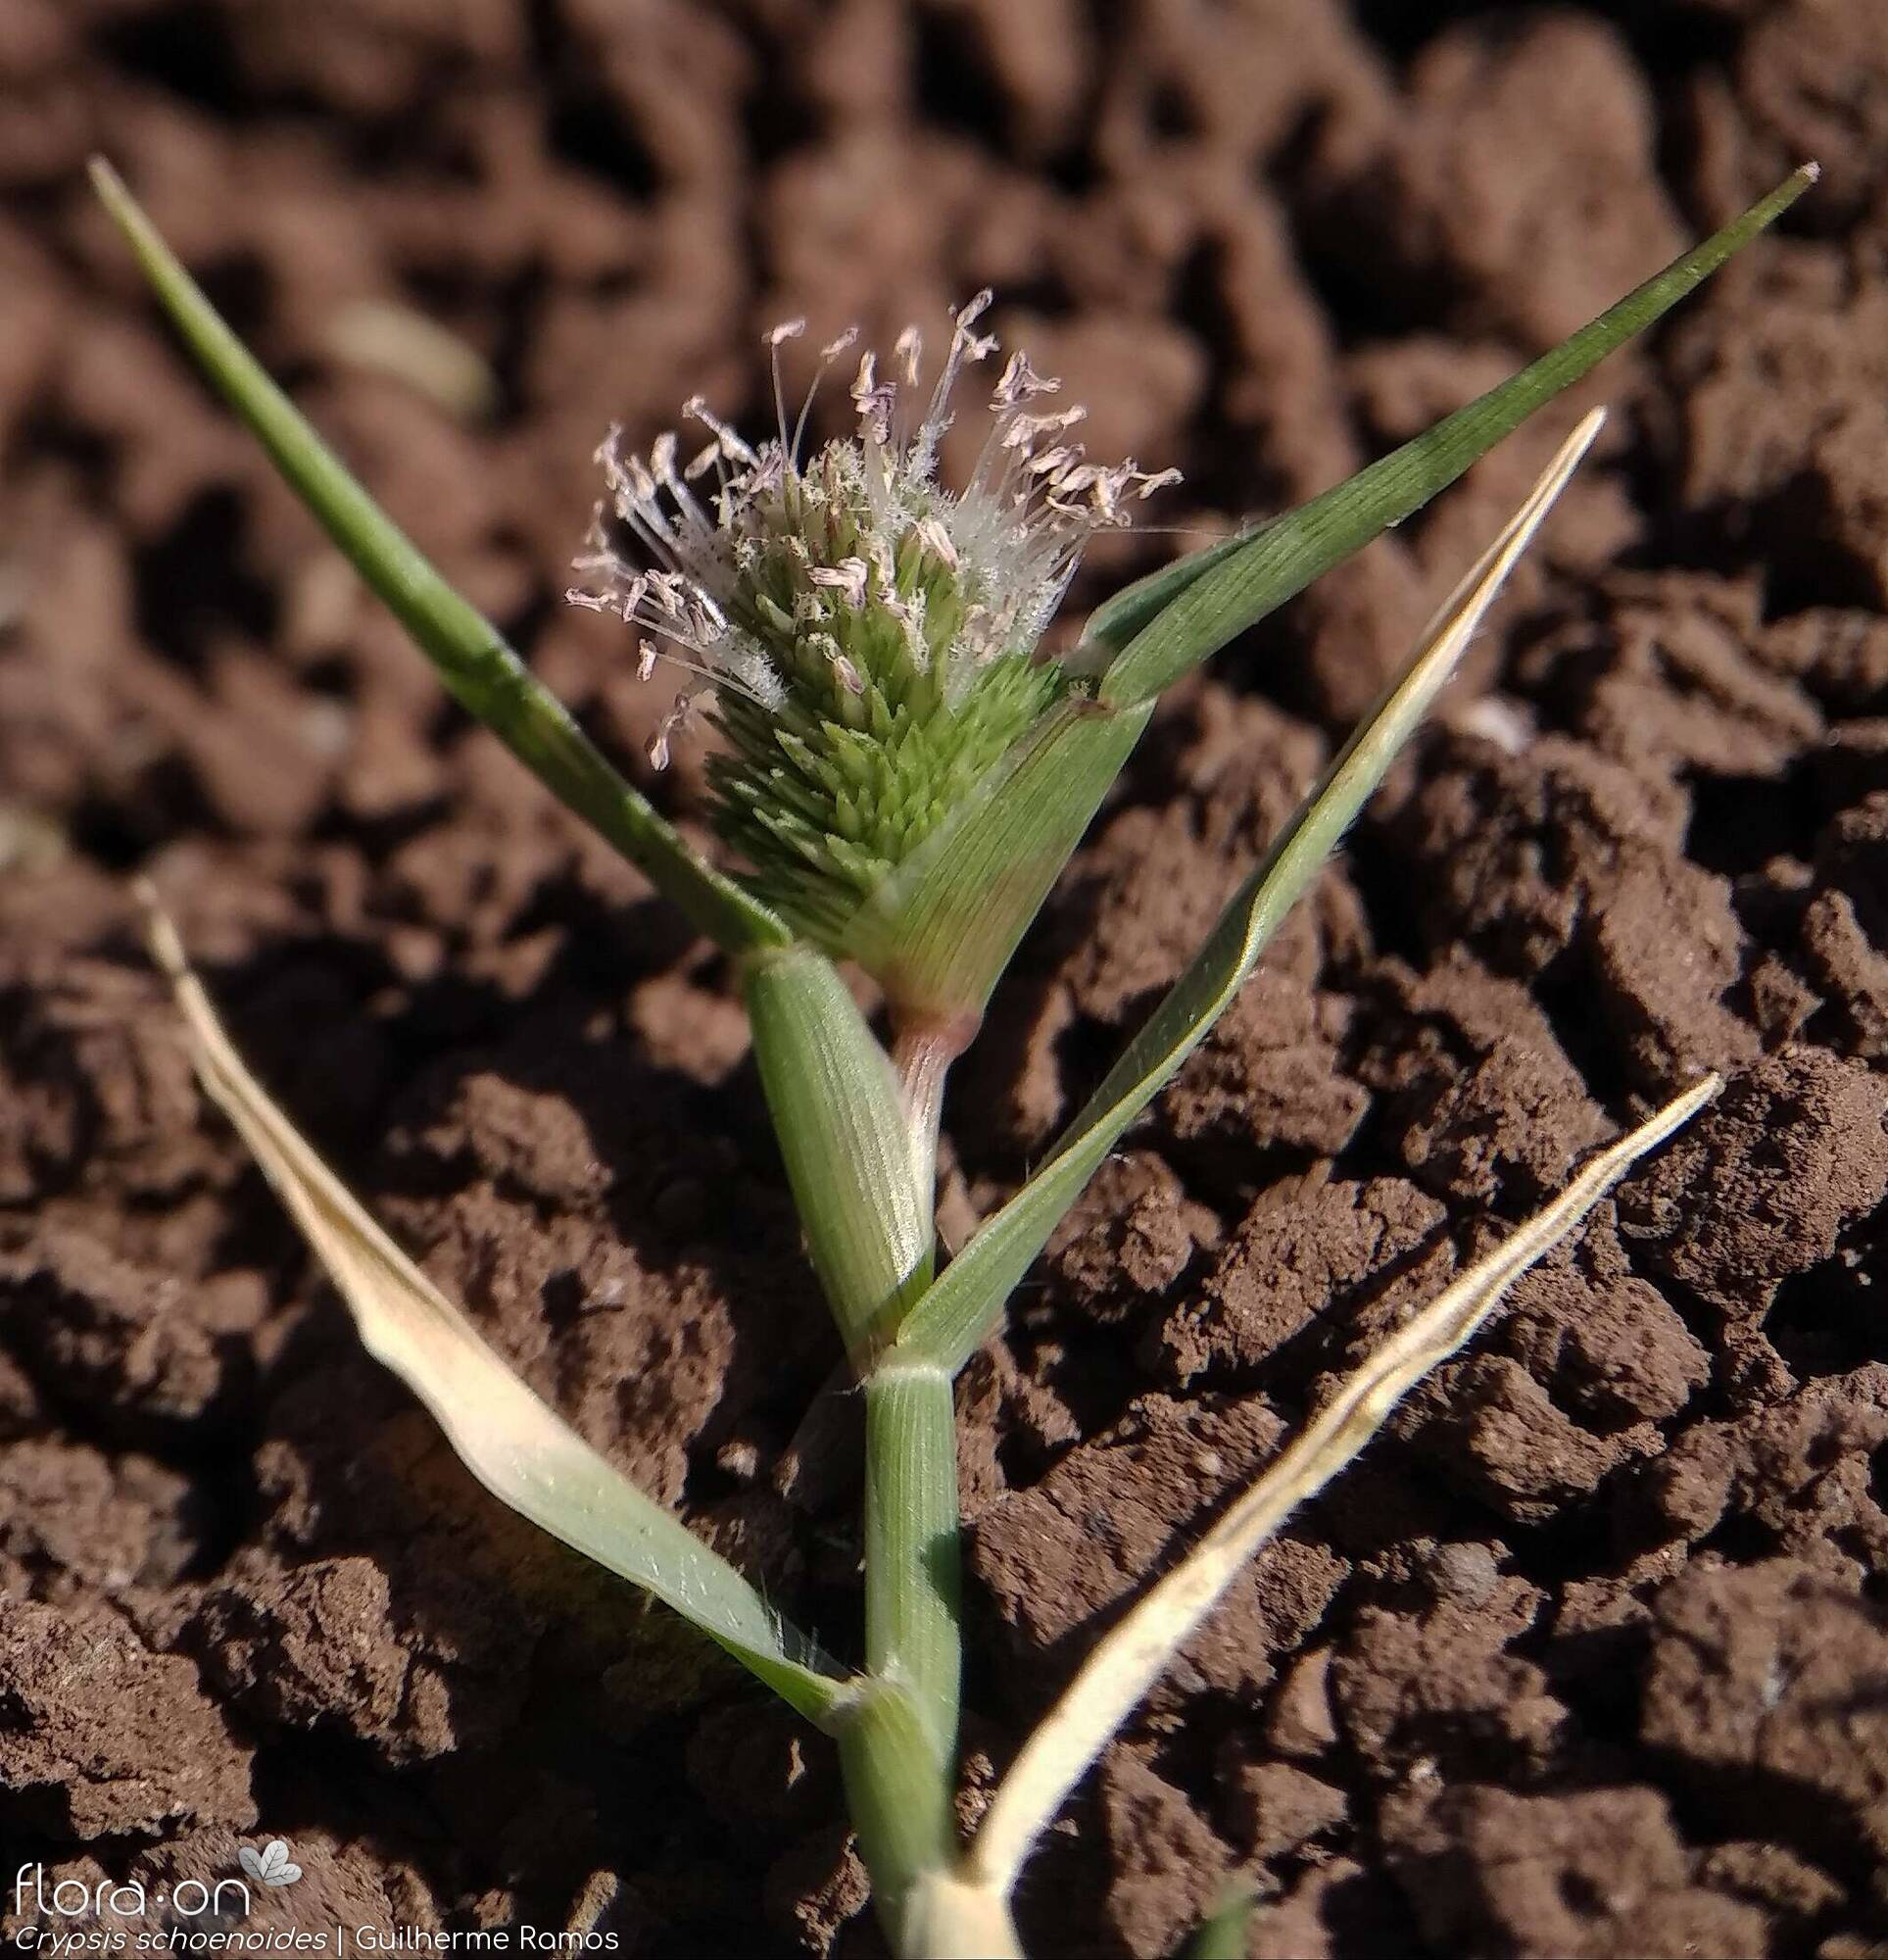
x: 960, y: 1308
x: 473, y: 660
x: 1131, y: 1656
x: 1162, y: 625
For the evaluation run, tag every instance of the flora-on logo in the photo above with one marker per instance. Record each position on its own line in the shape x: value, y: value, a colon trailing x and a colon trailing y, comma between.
x: 272, y: 1866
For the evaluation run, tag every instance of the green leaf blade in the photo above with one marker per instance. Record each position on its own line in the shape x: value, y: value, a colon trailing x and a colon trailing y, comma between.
x: 1181, y: 615
x: 961, y: 1309
x: 473, y: 659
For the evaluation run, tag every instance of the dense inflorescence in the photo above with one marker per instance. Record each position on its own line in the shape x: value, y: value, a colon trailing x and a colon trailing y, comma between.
x: 864, y: 637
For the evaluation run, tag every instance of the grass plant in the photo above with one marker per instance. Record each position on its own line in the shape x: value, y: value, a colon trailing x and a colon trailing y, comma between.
x: 902, y: 777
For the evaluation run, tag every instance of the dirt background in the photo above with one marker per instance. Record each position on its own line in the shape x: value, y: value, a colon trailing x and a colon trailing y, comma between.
x: 1590, y: 1657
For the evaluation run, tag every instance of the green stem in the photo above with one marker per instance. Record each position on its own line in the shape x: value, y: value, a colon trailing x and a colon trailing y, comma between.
x: 913, y: 1634
x: 902, y: 1757
x: 901, y: 1807
x: 922, y: 1052
x: 858, y: 1134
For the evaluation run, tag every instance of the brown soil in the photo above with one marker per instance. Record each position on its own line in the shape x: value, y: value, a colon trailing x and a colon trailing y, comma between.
x: 1591, y: 1656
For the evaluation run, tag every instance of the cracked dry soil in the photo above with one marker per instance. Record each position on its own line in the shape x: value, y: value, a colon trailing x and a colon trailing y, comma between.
x: 1590, y: 1656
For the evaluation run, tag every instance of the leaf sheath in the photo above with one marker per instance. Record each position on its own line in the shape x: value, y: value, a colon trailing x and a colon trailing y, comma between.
x: 861, y: 1180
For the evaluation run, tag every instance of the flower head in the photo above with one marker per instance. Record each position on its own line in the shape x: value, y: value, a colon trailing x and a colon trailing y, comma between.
x: 863, y: 636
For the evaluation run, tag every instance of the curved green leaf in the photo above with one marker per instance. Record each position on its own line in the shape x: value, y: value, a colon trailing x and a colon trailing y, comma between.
x: 958, y: 1314
x: 471, y: 655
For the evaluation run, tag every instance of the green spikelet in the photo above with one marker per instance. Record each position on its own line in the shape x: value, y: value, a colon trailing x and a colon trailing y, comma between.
x: 866, y: 638
x: 822, y: 811
x: 885, y: 724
